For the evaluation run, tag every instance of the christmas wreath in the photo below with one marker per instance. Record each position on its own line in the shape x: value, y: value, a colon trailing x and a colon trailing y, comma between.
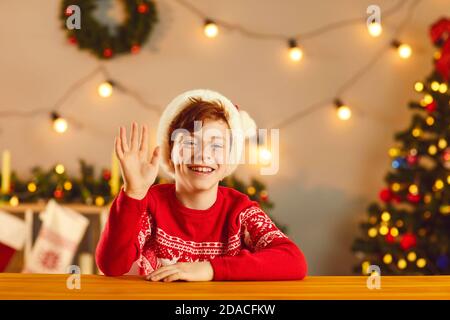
x: 141, y: 16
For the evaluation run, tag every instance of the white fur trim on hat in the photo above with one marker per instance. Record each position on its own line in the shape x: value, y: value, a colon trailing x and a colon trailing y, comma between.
x: 178, y: 104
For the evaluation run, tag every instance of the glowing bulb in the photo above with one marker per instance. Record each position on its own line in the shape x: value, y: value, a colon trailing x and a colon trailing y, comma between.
x: 67, y: 185
x: 394, y: 152
x: 427, y: 99
x: 416, y: 132
x: 385, y: 216
x: 435, y: 86
x: 394, y: 232
x: 210, y: 29
x: 374, y: 29
x: 14, y: 201
x: 372, y: 232
x: 295, y: 52
x: 265, y: 155
x: 384, y: 230
x: 387, y: 259
x: 418, y: 86
x: 344, y: 113
x: 105, y: 89
x: 401, y: 264
x: 396, y: 186
x: 421, y: 263
x: 32, y: 187
x: 413, y: 189
x: 99, y: 201
x: 432, y: 150
x: 404, y: 51
x: 59, y: 169
x: 442, y: 143
x: 439, y: 184
x: 365, y: 266
x: 443, y: 88
x: 251, y: 190
x: 411, y: 256
x: 429, y: 120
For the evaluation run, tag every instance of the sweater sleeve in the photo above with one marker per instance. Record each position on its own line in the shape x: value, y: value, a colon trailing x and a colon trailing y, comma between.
x: 119, y: 244
x: 269, y: 253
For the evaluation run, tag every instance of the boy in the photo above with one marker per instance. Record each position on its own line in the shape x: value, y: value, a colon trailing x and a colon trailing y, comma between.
x: 194, y: 229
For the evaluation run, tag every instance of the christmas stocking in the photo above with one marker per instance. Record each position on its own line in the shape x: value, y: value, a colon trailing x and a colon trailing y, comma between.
x: 12, y: 237
x: 61, y: 232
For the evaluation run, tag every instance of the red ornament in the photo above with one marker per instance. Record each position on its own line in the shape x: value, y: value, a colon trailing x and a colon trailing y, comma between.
x: 439, y: 32
x: 408, y: 241
x: 58, y: 194
x: 107, y: 53
x: 73, y: 40
x: 142, y: 8
x: 386, y: 195
x: 446, y: 155
x: 389, y: 238
x: 431, y: 106
x: 412, y: 159
x: 413, y: 198
x: 106, y: 174
x: 135, y: 48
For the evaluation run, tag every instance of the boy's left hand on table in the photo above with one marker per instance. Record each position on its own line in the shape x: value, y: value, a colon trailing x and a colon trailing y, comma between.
x: 188, y: 271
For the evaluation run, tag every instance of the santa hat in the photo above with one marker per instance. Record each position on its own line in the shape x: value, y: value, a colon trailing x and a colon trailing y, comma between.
x: 240, y: 123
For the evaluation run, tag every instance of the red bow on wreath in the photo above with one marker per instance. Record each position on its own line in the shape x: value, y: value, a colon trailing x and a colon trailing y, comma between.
x: 440, y: 35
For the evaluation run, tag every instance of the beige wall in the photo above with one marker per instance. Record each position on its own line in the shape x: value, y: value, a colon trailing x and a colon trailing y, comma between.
x: 329, y: 171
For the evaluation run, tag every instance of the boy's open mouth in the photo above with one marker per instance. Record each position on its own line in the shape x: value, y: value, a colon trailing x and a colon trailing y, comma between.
x: 201, y: 169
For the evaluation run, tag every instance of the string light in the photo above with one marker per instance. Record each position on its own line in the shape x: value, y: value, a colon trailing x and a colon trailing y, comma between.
x: 105, y: 89
x: 429, y: 120
x: 413, y: 189
x: 59, y: 169
x: 210, y: 29
x: 99, y: 201
x: 372, y: 232
x: 394, y: 152
x: 418, y: 86
x: 31, y: 187
x: 442, y: 143
x: 443, y: 88
x: 432, y: 150
x: 385, y: 216
x: 59, y: 124
x: 427, y: 99
x: 396, y: 187
x: 295, y: 53
x: 412, y: 256
x: 439, y: 184
x: 403, y: 49
x: 421, y: 263
x: 384, y: 230
x: 343, y: 111
x: 375, y: 29
x: 435, y: 86
x: 14, y: 201
x: 416, y: 132
x: 387, y: 259
x: 401, y: 264
x: 251, y: 190
x: 68, y: 185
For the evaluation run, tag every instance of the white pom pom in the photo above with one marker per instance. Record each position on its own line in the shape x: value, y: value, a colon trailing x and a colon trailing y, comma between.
x: 248, y: 124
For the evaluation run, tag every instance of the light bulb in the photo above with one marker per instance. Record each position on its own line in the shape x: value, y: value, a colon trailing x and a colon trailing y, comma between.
x: 210, y: 29
x: 295, y: 53
x: 105, y: 89
x: 374, y: 29
x: 59, y: 124
x: 343, y: 111
x: 403, y: 49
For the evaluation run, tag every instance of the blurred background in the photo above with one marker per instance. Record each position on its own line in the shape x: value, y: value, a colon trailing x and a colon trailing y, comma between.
x: 330, y: 169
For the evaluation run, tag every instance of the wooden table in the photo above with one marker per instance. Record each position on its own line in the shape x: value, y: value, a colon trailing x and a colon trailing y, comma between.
x: 41, y: 286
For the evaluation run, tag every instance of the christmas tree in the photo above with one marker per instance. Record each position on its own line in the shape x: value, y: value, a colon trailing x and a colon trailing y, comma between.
x: 408, y: 231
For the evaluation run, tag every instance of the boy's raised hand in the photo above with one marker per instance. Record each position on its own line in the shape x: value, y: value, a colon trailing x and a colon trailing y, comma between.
x: 139, y: 168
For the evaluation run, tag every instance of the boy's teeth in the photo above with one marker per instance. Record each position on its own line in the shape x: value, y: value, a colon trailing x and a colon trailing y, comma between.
x: 201, y: 169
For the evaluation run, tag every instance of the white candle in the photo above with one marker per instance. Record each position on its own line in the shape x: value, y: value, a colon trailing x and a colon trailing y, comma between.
x: 6, y: 171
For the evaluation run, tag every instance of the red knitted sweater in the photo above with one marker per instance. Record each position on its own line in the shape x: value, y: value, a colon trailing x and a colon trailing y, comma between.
x: 234, y: 234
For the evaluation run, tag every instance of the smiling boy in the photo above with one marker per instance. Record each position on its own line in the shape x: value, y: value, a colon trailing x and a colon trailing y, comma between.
x: 193, y: 229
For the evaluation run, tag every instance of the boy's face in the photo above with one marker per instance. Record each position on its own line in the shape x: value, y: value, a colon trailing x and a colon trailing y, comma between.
x: 202, y: 156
